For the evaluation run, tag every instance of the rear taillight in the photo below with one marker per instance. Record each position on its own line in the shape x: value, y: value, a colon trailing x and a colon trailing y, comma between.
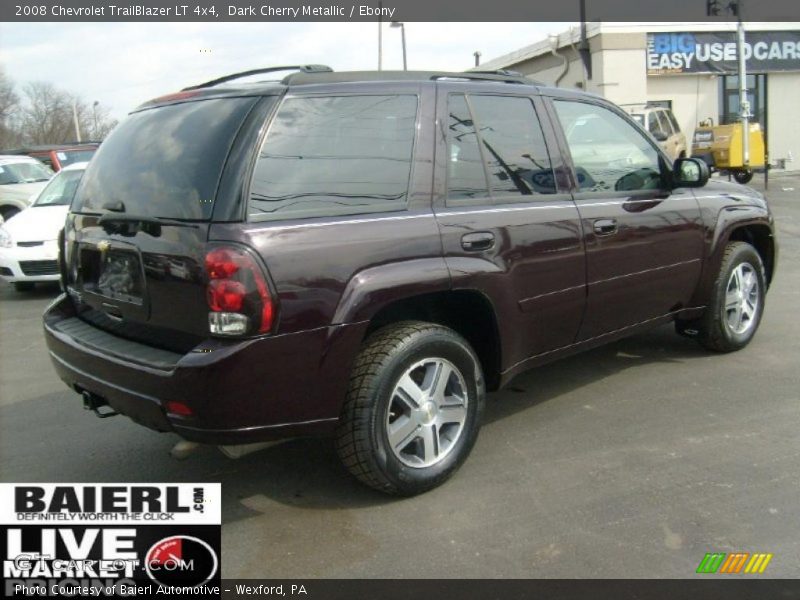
x: 237, y: 293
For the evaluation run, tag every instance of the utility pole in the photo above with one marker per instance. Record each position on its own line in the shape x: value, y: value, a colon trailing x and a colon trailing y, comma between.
x: 477, y: 55
x: 402, y: 27
x: 380, y: 36
x: 75, y: 120
x: 744, y: 103
x: 94, y: 112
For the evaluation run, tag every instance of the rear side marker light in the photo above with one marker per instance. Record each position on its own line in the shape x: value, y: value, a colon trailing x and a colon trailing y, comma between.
x: 237, y: 293
x: 178, y: 408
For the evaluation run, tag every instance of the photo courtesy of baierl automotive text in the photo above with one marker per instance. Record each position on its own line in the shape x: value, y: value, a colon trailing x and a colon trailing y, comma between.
x: 400, y: 299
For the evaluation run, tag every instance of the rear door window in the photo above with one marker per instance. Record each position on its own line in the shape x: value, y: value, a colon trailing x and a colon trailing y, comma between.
x: 466, y: 177
x: 335, y: 155
x: 164, y: 161
x: 496, y: 140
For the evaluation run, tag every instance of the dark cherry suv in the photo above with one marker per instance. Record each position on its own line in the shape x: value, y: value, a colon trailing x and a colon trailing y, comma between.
x: 364, y: 255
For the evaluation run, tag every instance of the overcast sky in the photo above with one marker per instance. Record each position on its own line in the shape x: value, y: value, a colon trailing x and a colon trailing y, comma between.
x: 122, y: 64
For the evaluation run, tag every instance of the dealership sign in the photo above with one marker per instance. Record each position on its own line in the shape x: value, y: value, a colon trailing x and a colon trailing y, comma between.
x: 716, y: 52
x: 110, y: 539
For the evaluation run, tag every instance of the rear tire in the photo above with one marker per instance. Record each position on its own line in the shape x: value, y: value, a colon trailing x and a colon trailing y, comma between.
x: 413, y: 408
x: 737, y: 301
x: 743, y: 176
x: 24, y: 286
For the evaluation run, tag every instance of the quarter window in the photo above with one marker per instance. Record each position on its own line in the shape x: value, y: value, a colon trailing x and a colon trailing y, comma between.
x: 328, y: 156
x: 666, y: 126
x: 608, y: 152
x: 675, y: 127
x: 656, y: 126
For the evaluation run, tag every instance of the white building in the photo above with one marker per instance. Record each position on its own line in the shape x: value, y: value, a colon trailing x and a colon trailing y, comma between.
x: 690, y: 67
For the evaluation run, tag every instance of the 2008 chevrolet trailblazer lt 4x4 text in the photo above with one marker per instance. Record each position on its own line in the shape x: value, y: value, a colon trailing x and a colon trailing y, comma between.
x: 365, y: 254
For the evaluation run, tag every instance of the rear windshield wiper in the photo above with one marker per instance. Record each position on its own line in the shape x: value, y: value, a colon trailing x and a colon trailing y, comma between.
x: 109, y: 220
x: 150, y: 220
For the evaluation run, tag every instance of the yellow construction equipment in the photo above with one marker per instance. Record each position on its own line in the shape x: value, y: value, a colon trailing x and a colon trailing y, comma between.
x: 721, y: 147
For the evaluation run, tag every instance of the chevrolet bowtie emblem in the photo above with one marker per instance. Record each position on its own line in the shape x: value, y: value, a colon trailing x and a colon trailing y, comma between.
x: 104, y: 245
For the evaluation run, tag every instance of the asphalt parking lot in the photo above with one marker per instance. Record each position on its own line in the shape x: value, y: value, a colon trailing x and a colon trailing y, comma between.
x: 632, y: 460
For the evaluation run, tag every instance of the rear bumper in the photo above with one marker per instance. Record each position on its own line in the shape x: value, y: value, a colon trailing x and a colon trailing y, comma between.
x: 238, y: 391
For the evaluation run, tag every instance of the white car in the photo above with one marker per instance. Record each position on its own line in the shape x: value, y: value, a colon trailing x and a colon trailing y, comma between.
x: 29, y: 240
x: 21, y: 179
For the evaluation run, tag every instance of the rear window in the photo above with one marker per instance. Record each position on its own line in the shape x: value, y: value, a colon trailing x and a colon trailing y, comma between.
x: 328, y: 156
x: 74, y: 156
x: 164, y: 162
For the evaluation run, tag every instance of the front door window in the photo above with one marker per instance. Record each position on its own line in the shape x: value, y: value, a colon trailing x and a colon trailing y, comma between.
x: 609, y: 153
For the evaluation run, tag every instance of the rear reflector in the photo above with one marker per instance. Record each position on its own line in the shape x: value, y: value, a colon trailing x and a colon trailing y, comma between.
x: 237, y: 293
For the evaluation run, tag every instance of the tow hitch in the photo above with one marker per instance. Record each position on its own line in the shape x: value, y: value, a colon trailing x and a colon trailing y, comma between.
x: 94, y: 403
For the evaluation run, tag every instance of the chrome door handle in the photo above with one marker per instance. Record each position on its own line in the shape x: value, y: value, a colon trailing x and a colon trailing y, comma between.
x: 478, y: 241
x: 605, y: 226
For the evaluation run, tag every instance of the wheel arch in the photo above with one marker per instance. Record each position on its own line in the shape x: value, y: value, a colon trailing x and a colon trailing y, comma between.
x: 759, y: 236
x: 466, y: 311
x: 11, y: 203
x: 732, y: 225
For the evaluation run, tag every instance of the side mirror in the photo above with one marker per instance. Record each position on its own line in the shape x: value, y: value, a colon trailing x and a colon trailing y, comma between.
x: 690, y: 172
x: 660, y: 136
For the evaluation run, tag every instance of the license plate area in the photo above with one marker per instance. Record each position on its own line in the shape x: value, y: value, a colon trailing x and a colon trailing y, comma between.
x: 113, y: 273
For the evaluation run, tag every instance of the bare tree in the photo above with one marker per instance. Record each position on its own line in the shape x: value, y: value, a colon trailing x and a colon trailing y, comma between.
x: 48, y: 115
x: 9, y: 103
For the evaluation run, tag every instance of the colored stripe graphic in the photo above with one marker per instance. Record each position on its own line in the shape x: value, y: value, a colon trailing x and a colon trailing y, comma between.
x: 711, y: 562
x: 758, y: 563
x: 734, y: 562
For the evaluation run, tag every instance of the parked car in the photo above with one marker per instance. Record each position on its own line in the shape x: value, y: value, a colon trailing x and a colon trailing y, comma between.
x: 58, y: 156
x: 29, y: 241
x: 21, y: 179
x: 663, y: 125
x: 365, y: 255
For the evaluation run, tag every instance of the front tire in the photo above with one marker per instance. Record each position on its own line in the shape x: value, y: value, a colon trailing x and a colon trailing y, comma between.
x: 413, y: 408
x: 23, y: 286
x: 743, y: 176
x: 737, y: 301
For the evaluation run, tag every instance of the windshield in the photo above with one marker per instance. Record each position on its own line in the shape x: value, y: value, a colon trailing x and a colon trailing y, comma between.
x: 24, y: 172
x: 61, y: 190
x: 69, y: 157
x: 164, y: 161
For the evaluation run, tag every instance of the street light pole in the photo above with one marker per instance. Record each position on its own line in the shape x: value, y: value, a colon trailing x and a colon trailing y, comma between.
x: 397, y: 24
x: 744, y: 103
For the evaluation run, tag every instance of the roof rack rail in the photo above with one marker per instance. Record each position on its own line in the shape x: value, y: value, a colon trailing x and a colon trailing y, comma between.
x: 306, y: 77
x: 233, y: 76
x: 503, y: 75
